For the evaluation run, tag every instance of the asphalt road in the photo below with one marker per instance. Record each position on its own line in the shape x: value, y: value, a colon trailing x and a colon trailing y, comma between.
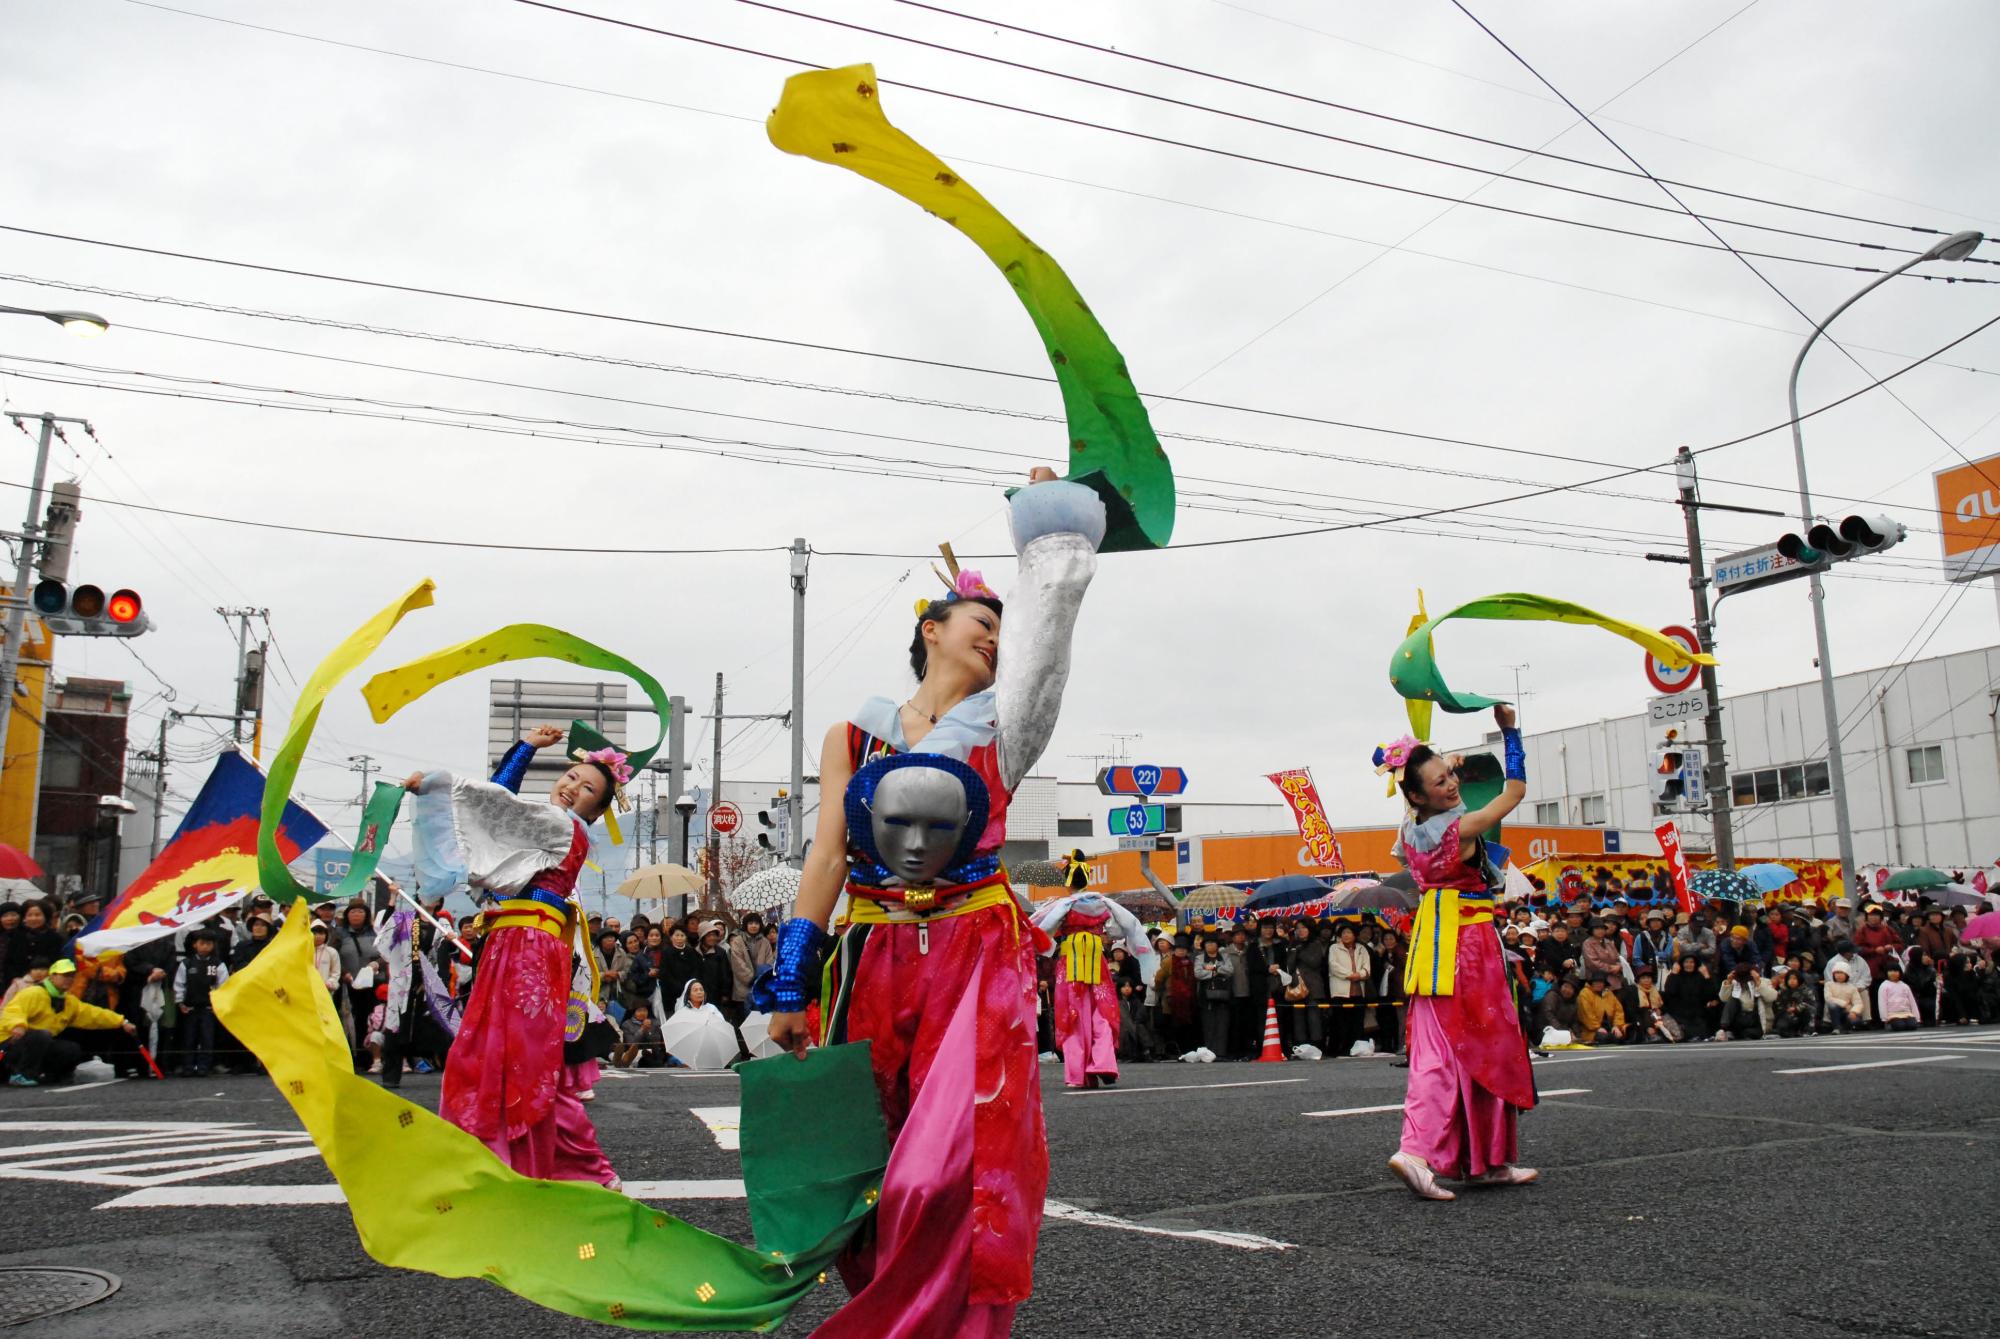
x: 1686, y: 1190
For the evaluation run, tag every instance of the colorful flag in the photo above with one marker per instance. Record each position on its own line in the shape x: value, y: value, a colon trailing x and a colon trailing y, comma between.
x: 1322, y: 846
x: 210, y: 863
x: 1677, y: 865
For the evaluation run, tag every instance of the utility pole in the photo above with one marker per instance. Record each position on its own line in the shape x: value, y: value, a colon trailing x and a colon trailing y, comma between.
x: 246, y: 691
x: 168, y: 718
x: 795, y: 801
x: 713, y: 894
x: 677, y: 853
x: 1716, y: 774
x: 367, y: 766
x: 17, y: 602
x: 160, y: 780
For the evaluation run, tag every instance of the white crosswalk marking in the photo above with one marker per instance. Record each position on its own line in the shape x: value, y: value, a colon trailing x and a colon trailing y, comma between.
x: 725, y: 1123
x: 143, y: 1154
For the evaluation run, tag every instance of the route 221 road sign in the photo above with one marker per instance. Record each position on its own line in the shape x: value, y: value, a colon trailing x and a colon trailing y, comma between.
x: 1141, y: 779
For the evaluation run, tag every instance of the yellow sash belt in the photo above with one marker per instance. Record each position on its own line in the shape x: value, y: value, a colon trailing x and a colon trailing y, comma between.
x: 527, y: 915
x: 865, y: 910
x: 1083, y: 957
x: 1431, y: 968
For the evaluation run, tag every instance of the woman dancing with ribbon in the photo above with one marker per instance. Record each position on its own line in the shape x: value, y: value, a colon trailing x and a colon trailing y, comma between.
x: 937, y: 971
x: 505, y: 1081
x: 1469, y: 1072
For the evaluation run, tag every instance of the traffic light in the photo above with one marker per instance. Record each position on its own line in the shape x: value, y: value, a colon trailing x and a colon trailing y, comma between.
x: 1854, y: 537
x: 1676, y: 774
x: 768, y: 826
x: 86, y: 611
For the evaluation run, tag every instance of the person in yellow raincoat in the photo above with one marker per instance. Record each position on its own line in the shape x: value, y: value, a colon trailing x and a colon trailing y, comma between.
x: 33, y: 1047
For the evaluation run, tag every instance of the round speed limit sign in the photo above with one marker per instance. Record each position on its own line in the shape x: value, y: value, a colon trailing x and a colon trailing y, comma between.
x: 1668, y: 680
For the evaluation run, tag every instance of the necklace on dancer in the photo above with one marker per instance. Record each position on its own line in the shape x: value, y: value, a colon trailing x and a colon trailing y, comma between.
x: 930, y: 716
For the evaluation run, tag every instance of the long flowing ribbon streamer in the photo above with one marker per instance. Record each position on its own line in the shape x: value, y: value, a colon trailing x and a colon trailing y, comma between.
x: 427, y: 1196
x: 835, y: 117
x: 1414, y: 672
x: 343, y: 660
x: 392, y: 690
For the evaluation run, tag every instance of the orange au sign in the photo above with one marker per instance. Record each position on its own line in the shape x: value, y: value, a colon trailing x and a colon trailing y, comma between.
x: 1969, y: 516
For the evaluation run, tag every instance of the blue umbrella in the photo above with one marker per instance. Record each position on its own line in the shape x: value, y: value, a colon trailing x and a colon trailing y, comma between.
x: 1723, y: 886
x: 1769, y: 878
x: 1287, y: 890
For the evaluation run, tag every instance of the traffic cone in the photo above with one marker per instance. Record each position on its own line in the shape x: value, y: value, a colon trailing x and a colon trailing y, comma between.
x: 1272, y: 1051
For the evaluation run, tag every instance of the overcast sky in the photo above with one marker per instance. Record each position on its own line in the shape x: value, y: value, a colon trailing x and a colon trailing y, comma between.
x: 607, y: 170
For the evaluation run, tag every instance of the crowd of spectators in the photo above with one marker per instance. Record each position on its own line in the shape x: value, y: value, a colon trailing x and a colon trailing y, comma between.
x: 1602, y: 970
x: 63, y: 1007
x: 1595, y: 972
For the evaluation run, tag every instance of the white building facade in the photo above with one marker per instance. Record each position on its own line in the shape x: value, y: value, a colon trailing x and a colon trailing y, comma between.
x: 1920, y: 743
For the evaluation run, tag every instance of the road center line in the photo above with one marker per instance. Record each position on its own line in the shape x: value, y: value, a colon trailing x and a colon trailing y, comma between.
x: 1872, y: 1064
x: 1398, y: 1106
x: 1242, y: 1241
x: 1175, y: 1087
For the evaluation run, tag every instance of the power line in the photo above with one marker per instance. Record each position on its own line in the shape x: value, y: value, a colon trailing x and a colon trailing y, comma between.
x: 1214, y: 150
x: 1742, y: 256
x: 1304, y: 130
x: 1429, y: 514
x: 1100, y: 186
x: 1401, y: 120
x: 866, y: 393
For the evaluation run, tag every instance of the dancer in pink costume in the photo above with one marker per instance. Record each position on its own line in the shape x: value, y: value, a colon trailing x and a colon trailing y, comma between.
x: 934, y: 960
x: 1469, y: 1071
x: 505, y: 1081
x: 1086, y: 998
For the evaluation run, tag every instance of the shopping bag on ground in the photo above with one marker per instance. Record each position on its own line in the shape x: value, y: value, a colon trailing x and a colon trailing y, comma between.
x: 1362, y: 1047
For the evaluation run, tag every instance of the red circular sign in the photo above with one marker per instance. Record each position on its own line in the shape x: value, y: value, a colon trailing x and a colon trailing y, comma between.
x: 1674, y: 680
x: 725, y: 818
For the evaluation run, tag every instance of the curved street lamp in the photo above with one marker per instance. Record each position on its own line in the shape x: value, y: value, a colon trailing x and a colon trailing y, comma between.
x: 1955, y: 247
x: 89, y: 325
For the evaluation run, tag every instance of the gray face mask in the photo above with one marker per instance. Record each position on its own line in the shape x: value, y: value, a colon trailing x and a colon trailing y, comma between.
x: 918, y: 818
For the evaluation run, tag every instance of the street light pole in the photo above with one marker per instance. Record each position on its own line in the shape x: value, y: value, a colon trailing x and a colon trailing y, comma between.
x: 1956, y: 247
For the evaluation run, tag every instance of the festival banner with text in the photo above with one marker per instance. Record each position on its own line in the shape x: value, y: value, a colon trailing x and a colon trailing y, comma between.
x: 1322, y: 847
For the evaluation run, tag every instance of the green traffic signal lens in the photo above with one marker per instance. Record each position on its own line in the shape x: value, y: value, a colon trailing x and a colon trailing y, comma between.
x: 50, y: 597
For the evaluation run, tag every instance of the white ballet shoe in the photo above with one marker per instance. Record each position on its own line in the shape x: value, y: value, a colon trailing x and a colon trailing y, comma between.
x: 1417, y: 1175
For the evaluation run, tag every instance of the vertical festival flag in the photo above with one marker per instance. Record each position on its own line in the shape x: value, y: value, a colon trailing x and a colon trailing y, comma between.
x: 1299, y: 792
x: 1677, y: 865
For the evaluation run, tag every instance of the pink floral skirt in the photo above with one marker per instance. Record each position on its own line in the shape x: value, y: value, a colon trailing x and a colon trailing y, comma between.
x: 951, y: 1251
x: 1086, y: 1029
x: 1469, y: 1071
x: 501, y: 1076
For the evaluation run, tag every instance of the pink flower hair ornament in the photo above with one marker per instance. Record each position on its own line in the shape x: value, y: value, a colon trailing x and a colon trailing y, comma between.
x: 1391, y: 758
x: 614, y: 762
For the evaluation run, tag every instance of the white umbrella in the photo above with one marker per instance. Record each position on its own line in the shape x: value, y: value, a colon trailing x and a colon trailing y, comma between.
x: 700, y: 1038
x: 1517, y: 883
x: 766, y: 889
x: 756, y: 1032
x: 661, y: 881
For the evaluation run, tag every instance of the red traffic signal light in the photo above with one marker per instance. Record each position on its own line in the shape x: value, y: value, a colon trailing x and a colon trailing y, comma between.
x: 86, y: 611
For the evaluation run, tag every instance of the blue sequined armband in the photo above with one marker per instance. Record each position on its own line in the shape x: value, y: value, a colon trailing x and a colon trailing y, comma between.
x: 1517, y: 754
x: 786, y: 985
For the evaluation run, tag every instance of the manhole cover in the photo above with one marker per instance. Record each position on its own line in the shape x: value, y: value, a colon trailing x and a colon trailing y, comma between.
x: 30, y: 1293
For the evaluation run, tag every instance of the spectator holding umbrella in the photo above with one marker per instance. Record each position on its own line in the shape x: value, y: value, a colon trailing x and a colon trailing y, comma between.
x: 1308, y: 966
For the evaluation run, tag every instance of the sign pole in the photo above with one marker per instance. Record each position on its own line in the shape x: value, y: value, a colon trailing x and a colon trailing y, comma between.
x: 1717, y: 769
